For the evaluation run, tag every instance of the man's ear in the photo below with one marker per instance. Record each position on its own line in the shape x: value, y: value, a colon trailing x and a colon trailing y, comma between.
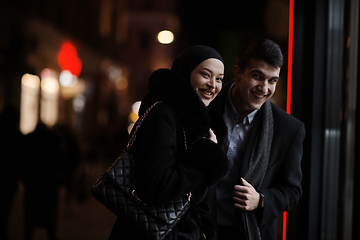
x: 236, y: 73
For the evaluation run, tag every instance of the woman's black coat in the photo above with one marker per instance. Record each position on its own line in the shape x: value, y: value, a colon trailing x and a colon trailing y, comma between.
x: 168, y: 166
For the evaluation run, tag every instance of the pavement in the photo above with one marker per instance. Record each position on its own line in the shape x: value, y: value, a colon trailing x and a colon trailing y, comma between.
x: 76, y: 220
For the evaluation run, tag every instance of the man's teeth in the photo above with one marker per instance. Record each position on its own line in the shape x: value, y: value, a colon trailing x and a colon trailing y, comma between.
x: 258, y: 96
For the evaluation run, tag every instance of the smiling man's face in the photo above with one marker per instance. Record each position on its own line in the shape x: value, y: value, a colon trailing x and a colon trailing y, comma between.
x: 254, y: 86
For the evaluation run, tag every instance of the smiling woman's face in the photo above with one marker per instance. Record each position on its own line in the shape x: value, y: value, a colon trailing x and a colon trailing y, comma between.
x: 207, y: 78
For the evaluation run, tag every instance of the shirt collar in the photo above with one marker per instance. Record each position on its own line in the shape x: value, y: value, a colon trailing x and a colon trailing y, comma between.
x: 250, y: 117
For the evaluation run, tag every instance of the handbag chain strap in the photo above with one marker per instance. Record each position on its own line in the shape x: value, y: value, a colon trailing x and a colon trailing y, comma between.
x: 185, y: 138
x: 131, y: 141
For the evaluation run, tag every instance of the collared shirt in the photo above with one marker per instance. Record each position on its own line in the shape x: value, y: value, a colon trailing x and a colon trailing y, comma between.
x: 234, y: 147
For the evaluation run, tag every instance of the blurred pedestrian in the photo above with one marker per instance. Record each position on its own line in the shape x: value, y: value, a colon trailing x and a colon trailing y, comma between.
x: 11, y: 157
x: 41, y: 180
x: 69, y: 157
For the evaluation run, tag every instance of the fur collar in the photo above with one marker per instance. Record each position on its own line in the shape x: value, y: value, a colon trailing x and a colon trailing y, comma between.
x: 169, y: 87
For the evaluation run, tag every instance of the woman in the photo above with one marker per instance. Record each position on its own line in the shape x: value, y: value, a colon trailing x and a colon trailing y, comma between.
x: 175, y: 149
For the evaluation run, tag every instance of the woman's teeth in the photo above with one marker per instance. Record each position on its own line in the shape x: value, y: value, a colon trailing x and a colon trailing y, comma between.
x: 206, y: 93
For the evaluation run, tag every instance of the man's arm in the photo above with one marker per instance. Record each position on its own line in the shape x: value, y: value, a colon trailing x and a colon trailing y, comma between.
x: 282, y: 188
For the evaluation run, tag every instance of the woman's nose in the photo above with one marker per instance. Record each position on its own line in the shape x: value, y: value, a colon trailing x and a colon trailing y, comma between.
x: 211, y: 82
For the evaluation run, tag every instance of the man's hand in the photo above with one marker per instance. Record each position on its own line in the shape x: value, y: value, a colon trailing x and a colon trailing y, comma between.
x: 246, y: 197
x: 212, y: 136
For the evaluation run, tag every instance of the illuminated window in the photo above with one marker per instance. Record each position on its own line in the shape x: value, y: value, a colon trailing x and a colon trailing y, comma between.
x: 49, y: 97
x: 29, y: 108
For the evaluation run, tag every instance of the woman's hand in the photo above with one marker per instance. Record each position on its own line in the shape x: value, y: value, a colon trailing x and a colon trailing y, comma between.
x: 212, y: 136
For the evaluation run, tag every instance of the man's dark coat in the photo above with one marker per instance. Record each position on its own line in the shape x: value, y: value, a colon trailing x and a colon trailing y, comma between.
x: 282, y: 182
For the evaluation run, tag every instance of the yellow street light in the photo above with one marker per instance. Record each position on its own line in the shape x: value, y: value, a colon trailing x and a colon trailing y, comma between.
x: 165, y: 37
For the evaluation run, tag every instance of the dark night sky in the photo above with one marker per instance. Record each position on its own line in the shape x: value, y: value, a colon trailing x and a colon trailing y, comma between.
x: 204, y: 21
x: 224, y: 25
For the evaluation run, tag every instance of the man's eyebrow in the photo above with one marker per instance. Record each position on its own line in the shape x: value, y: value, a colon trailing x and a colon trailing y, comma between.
x: 262, y: 74
x: 258, y: 71
x: 211, y: 71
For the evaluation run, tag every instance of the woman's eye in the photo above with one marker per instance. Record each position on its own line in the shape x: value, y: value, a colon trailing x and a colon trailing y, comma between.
x: 219, y: 79
x: 206, y: 75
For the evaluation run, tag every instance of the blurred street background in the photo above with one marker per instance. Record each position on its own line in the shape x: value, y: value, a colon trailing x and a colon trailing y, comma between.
x: 75, y: 220
x: 73, y: 73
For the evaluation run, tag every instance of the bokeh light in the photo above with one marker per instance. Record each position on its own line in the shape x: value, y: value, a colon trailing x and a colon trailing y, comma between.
x: 165, y: 37
x: 31, y: 81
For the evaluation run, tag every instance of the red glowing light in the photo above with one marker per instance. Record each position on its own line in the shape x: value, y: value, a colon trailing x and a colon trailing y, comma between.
x: 68, y: 59
x: 289, y: 86
x: 290, y: 55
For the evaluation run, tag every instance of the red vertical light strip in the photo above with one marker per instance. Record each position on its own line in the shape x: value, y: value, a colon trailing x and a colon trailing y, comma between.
x: 289, y: 85
x: 290, y: 55
x: 284, y: 218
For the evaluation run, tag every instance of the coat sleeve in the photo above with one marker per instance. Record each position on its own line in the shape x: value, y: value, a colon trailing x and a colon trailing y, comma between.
x: 282, y: 183
x: 164, y: 170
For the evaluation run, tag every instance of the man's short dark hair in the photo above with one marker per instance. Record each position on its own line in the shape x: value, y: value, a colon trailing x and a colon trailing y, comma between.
x: 260, y: 49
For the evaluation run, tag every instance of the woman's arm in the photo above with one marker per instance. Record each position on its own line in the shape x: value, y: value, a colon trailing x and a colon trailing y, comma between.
x: 164, y: 170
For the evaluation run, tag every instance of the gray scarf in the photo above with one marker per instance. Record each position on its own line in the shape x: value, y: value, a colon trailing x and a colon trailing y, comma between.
x: 258, y: 164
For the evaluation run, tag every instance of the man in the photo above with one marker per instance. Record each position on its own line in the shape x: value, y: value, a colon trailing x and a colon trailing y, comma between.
x: 264, y: 147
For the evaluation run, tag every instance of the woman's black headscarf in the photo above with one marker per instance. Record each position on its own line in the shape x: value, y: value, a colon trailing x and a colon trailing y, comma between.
x: 188, y: 60
x: 183, y: 65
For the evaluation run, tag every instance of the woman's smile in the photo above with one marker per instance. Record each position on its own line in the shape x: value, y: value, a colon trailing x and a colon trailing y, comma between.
x: 206, y: 93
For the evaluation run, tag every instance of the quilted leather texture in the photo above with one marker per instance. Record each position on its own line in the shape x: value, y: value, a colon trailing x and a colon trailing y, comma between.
x: 114, y: 190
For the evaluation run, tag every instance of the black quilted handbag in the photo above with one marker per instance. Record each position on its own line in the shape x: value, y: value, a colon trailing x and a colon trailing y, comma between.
x: 116, y: 190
